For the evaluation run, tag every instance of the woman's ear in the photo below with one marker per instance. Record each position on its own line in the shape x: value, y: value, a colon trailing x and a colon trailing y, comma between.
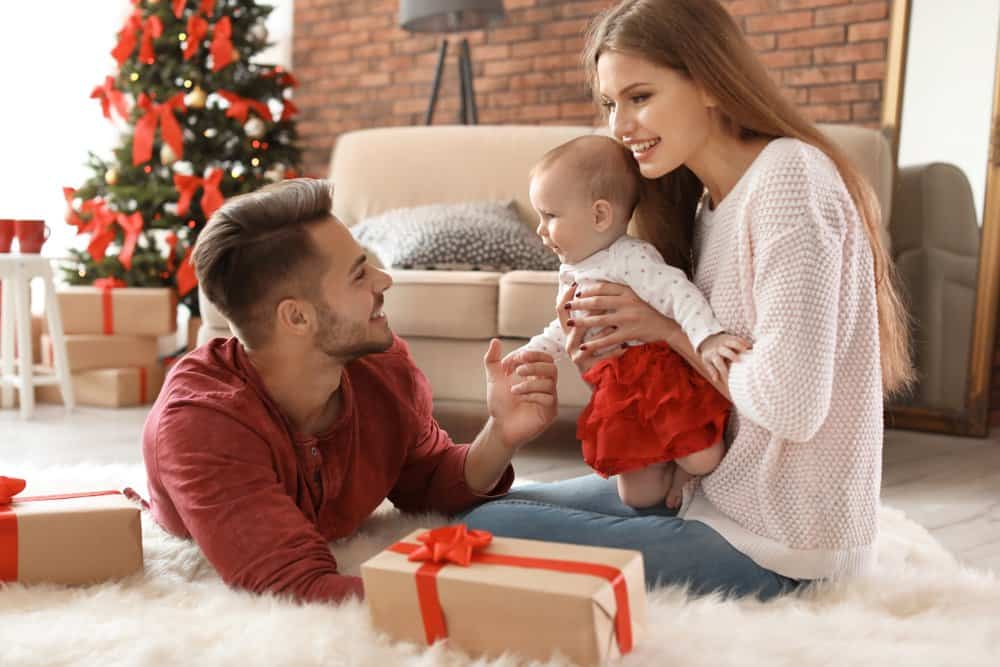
x: 604, y: 215
x: 295, y: 316
x: 707, y: 98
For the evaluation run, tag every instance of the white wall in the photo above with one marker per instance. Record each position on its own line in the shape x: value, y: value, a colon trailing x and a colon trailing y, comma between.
x: 54, y: 53
x: 949, y: 87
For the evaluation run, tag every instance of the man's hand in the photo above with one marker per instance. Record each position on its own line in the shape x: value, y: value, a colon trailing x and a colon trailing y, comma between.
x: 520, y: 393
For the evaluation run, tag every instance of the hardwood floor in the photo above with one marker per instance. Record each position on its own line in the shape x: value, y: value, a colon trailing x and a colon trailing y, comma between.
x: 949, y: 485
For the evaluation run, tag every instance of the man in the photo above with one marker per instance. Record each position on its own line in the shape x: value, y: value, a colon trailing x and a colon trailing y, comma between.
x: 265, y: 446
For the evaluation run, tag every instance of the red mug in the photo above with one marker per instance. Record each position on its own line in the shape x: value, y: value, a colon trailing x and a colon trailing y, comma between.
x: 6, y: 234
x: 31, y: 235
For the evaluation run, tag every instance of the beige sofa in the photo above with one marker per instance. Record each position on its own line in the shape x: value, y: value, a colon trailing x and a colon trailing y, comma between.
x: 448, y: 316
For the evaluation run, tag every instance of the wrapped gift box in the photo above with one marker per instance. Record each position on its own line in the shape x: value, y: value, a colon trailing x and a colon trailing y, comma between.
x: 135, y: 311
x: 75, y: 539
x: 88, y: 351
x: 110, y: 387
x: 530, y: 597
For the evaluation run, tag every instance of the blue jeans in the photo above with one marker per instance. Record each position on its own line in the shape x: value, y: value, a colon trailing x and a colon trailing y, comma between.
x: 587, y: 510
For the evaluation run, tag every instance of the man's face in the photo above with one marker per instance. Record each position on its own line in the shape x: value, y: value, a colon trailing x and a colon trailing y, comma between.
x: 348, y: 296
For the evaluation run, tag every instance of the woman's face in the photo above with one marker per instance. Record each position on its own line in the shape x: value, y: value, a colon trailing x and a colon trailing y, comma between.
x: 657, y: 112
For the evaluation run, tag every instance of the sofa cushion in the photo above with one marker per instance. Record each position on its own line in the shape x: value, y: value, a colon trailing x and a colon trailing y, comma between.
x: 445, y: 304
x: 471, y: 236
x: 527, y: 302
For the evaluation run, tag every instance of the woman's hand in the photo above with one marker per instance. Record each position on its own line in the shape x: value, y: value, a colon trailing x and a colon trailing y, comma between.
x: 619, y: 316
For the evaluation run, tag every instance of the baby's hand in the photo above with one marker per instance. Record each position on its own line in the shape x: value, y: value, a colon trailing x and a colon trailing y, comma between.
x: 718, y: 350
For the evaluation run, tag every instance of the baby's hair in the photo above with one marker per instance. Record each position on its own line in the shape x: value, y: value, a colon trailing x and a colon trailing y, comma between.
x: 602, y: 165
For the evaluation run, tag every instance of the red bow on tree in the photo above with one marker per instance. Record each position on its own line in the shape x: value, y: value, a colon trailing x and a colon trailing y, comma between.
x: 98, y: 226
x: 110, y: 97
x: 284, y: 78
x: 289, y: 110
x: 10, y: 487
x: 222, y: 44
x: 197, y: 29
x: 145, y: 128
x: 186, y: 278
x: 451, y: 544
x: 128, y: 36
x: 239, y: 107
x: 132, y: 224
x: 211, y: 198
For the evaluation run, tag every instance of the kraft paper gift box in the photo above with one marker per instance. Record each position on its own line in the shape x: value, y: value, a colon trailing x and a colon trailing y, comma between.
x: 110, y: 387
x: 88, y: 351
x: 136, y: 311
x: 70, y: 539
x: 529, y: 597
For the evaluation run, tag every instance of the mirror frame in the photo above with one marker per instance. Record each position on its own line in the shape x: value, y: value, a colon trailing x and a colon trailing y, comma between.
x: 974, y: 419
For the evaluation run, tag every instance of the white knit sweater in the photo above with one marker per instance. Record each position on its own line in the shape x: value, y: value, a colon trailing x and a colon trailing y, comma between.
x: 784, y: 261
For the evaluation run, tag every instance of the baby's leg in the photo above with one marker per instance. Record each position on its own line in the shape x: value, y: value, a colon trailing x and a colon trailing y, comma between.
x: 645, y: 487
x: 675, y: 494
x: 704, y: 461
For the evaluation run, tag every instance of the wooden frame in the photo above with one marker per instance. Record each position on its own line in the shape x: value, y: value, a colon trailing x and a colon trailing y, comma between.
x: 974, y: 420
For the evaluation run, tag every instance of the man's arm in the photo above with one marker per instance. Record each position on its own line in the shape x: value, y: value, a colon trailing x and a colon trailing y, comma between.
x: 220, y: 479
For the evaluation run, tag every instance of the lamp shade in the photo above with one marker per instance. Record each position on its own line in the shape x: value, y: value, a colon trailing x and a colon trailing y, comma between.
x: 448, y: 15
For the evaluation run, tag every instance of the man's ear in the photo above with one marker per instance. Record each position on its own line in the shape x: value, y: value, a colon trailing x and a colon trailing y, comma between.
x: 707, y: 98
x: 604, y: 215
x: 295, y: 316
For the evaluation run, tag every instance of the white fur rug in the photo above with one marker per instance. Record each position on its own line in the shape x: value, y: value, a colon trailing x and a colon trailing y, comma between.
x: 920, y: 608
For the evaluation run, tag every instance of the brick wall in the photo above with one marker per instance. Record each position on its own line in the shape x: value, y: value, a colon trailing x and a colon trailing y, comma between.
x: 358, y: 69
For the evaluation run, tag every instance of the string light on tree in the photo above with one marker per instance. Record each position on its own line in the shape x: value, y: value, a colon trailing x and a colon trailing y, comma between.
x: 111, y: 176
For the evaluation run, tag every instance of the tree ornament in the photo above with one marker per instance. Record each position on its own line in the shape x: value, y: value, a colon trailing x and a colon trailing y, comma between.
x: 183, y: 167
x: 196, y: 98
x: 167, y: 154
x: 275, y: 173
x: 259, y: 32
x: 255, y: 128
x: 111, y: 176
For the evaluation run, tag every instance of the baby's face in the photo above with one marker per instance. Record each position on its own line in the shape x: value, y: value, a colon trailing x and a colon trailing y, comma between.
x: 565, y: 215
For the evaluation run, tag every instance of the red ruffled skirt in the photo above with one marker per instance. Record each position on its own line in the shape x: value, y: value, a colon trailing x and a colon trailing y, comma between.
x: 648, y: 406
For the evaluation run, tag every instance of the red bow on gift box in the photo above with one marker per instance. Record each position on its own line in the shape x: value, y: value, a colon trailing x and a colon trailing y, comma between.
x: 451, y: 544
x: 10, y: 487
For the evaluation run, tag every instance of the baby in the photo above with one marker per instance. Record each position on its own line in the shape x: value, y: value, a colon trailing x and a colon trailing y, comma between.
x: 652, y: 419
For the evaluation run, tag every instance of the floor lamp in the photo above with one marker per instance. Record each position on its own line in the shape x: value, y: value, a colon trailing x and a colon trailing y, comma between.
x: 451, y: 16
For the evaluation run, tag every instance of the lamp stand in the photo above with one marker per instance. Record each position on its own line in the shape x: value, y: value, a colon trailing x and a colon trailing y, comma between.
x: 468, y: 113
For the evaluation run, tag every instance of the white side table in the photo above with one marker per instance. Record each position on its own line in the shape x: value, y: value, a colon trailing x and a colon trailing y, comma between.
x: 17, y: 272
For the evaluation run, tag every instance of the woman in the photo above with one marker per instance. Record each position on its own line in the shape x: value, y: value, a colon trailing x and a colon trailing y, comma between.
x: 785, y: 246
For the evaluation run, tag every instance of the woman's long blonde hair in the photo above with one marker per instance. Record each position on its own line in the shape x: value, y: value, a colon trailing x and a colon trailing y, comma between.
x: 699, y: 39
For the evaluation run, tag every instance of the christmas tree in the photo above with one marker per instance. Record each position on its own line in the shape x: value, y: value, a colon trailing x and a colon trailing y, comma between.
x: 204, y: 123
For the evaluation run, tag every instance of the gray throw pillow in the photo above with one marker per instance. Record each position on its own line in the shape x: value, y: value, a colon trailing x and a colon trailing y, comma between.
x: 485, y: 236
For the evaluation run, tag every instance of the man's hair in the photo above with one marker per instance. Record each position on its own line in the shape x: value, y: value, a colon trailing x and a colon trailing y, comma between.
x: 604, y: 168
x: 256, y: 251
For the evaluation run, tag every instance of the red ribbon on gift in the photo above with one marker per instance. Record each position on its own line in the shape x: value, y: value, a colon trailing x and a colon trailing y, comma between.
x: 458, y: 545
x: 222, y: 44
x: 197, y: 29
x: 211, y: 198
x: 145, y: 127
x: 110, y: 97
x: 107, y: 306
x: 239, y: 107
x: 10, y: 487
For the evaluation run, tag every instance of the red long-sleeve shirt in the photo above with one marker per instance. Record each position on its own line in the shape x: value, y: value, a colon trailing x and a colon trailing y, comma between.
x: 226, y: 468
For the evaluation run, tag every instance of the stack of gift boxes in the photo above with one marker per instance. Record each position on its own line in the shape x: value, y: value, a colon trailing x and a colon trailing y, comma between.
x: 111, y: 343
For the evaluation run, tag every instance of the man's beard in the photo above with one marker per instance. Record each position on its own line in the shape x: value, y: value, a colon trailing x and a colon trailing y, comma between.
x: 345, y: 341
